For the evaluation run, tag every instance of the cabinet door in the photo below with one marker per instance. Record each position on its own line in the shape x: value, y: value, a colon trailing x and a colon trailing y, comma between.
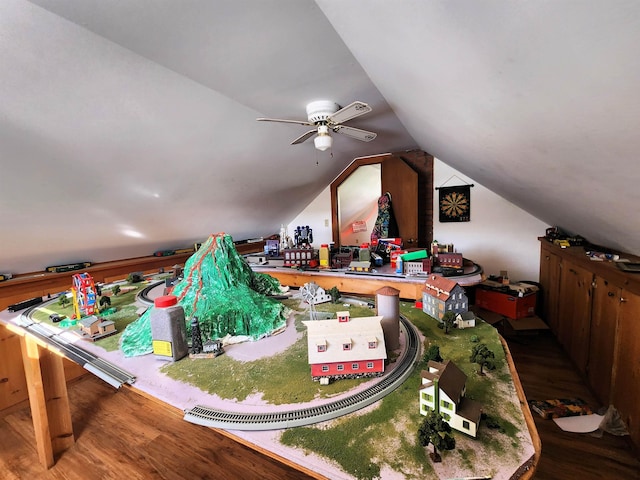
x: 604, y: 324
x: 550, y: 285
x: 574, y: 312
x: 626, y: 371
x: 401, y: 181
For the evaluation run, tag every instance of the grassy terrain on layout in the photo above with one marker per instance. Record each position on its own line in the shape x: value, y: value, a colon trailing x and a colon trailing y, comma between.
x: 125, y: 313
x: 362, y: 444
x: 280, y: 379
x: 384, y: 435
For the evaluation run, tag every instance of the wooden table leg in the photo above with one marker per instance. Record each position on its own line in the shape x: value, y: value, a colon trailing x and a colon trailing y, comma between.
x: 48, y: 399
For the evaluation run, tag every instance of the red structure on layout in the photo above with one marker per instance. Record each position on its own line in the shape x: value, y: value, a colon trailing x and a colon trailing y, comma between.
x: 84, y: 295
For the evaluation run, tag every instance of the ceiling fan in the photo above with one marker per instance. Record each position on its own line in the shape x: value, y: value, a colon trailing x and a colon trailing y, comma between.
x: 326, y: 115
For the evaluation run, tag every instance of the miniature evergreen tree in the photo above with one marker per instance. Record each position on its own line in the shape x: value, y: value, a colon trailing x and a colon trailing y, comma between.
x: 116, y: 289
x: 335, y: 294
x: 434, y: 430
x: 484, y: 357
x: 63, y: 300
x: 105, y: 301
x: 432, y: 353
x: 447, y: 321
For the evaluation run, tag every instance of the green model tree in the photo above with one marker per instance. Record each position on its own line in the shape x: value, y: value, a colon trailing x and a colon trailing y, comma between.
x: 105, y: 301
x: 335, y: 294
x: 434, y: 430
x: 447, y: 321
x: 63, y: 300
x: 484, y: 357
x: 116, y: 289
x: 432, y: 353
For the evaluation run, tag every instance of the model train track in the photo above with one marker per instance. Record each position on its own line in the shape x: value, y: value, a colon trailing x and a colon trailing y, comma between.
x: 101, y: 368
x: 211, y: 417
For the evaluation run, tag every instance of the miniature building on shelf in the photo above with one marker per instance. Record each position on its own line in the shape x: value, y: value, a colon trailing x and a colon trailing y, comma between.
x: 450, y: 260
x: 465, y: 320
x: 443, y: 389
x: 345, y: 347
x: 272, y: 248
x: 341, y: 260
x: 357, y: 266
x: 388, y: 307
x: 441, y: 295
x: 296, y: 257
x: 418, y: 267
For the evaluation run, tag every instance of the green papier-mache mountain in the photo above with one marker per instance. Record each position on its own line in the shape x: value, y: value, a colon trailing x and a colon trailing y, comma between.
x: 224, y: 293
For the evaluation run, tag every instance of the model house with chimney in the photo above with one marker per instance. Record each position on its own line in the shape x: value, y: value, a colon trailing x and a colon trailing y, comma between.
x: 443, y: 389
x: 441, y: 295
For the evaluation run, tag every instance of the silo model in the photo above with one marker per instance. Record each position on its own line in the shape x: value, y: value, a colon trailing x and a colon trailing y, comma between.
x: 388, y: 306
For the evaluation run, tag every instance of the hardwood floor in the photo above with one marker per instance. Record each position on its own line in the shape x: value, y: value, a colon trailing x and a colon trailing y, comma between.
x: 124, y: 435
x: 546, y: 373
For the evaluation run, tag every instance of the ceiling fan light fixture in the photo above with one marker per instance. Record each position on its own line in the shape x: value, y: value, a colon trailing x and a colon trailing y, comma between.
x: 323, y: 140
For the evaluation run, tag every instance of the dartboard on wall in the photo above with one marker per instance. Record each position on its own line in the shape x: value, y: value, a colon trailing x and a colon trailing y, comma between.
x: 455, y: 203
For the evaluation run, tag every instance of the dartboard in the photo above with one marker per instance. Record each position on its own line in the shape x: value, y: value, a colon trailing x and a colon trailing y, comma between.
x: 454, y: 205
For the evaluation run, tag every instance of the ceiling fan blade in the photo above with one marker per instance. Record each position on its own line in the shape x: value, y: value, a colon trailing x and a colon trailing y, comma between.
x: 356, y: 133
x: 297, y: 122
x: 304, y: 137
x: 347, y: 113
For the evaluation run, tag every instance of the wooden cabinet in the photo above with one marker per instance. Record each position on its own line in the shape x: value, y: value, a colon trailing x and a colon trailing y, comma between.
x: 549, y: 281
x: 604, y: 328
x: 594, y: 310
x: 625, y: 389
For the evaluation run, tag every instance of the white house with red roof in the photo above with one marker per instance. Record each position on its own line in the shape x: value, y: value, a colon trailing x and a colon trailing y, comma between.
x: 345, y: 347
x: 441, y: 295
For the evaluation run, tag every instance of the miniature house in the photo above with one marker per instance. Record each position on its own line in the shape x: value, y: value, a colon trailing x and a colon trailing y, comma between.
x: 320, y: 296
x: 441, y: 295
x: 443, y: 389
x: 345, y: 347
x: 94, y: 327
x: 465, y: 320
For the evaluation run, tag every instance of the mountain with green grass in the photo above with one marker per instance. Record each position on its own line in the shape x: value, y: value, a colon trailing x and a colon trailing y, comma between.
x: 224, y: 293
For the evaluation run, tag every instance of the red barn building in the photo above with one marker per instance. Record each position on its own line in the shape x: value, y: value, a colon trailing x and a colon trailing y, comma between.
x: 345, y: 347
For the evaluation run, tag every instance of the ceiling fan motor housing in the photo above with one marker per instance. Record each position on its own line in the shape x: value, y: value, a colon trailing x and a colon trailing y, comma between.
x: 319, y: 111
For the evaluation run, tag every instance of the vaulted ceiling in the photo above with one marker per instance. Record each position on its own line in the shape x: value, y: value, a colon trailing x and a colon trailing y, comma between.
x: 129, y: 126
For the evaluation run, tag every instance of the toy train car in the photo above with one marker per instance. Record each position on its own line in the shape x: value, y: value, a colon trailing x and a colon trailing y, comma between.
x: 68, y: 268
x: 5, y: 276
x: 25, y: 304
x: 168, y: 253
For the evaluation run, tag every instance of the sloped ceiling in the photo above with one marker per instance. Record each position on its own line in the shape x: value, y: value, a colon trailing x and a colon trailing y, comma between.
x: 129, y: 126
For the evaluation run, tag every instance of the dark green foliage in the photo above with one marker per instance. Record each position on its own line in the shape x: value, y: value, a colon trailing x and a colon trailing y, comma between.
x: 432, y: 353
x: 63, y: 300
x: 434, y: 430
x: 105, y: 301
x: 335, y: 294
x: 447, y: 321
x: 474, y: 339
x: 116, y: 289
x: 484, y: 357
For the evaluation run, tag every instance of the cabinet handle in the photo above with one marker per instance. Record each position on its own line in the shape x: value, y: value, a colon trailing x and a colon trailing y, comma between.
x: 611, y: 294
x: 622, y: 299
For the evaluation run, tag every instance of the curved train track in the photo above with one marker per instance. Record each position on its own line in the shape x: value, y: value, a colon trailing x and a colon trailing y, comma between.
x: 211, y: 417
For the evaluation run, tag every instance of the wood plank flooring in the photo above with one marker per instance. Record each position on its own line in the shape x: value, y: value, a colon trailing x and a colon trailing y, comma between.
x: 546, y: 373
x: 124, y: 435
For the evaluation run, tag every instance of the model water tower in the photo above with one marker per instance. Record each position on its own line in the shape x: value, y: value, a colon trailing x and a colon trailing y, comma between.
x: 388, y: 306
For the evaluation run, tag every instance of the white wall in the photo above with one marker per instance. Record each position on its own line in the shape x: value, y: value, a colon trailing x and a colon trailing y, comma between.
x: 500, y: 236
